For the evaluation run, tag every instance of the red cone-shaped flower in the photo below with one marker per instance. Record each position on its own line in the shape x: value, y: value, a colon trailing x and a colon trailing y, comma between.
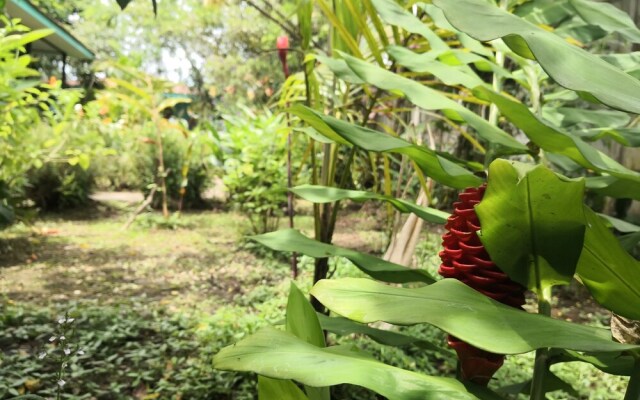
x: 282, y: 43
x: 465, y: 258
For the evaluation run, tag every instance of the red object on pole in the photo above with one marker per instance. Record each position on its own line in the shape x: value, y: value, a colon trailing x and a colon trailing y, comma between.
x: 282, y: 44
x: 465, y: 258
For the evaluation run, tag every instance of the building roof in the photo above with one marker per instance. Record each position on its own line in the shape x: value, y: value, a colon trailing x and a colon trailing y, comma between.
x: 59, y: 42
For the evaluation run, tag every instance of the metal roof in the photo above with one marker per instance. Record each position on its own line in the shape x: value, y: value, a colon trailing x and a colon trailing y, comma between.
x: 59, y: 42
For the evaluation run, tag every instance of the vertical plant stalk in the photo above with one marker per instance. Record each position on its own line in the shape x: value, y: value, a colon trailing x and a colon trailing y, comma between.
x: 283, y: 47
x: 161, y: 170
x: 633, y: 389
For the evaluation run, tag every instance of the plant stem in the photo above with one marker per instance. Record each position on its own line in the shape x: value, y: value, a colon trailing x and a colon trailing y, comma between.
x: 541, y: 365
x: 633, y: 389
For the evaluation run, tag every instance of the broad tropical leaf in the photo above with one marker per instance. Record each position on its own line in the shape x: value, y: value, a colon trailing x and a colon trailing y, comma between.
x: 463, y: 312
x: 322, y: 194
x: 532, y: 223
x: 280, y: 355
x: 555, y: 141
x: 432, y: 164
x: 302, y: 322
x: 292, y: 240
x: 430, y: 99
x: 568, y: 65
x: 608, y: 271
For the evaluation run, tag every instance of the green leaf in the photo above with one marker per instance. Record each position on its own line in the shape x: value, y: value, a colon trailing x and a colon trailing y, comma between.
x: 280, y: 355
x: 620, y: 225
x: 322, y: 194
x: 463, y: 312
x: 614, y: 187
x: 430, y: 99
x: 630, y: 241
x: 551, y: 383
x: 553, y: 140
x: 393, y: 14
x: 608, y: 271
x: 292, y: 240
x: 450, y: 75
x: 568, y: 65
x: 269, y: 389
x: 301, y: 318
x: 608, y: 17
x: 433, y: 165
x: 611, y: 363
x: 532, y: 223
x: 302, y: 322
x: 343, y: 326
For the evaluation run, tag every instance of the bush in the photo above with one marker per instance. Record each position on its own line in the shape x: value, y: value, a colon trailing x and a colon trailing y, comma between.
x: 255, y: 171
x: 59, y: 186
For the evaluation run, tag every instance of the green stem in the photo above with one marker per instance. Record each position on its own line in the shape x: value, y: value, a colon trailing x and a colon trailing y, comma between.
x: 633, y: 389
x: 541, y: 365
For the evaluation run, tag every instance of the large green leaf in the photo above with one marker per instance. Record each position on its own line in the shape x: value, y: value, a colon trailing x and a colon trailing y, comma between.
x: 269, y: 389
x: 280, y: 355
x: 302, y: 322
x: 608, y: 17
x: 608, y: 271
x: 430, y: 99
x: 463, y: 312
x: 393, y: 14
x: 292, y: 240
x: 451, y: 75
x: 614, y: 187
x: 568, y: 65
x: 343, y: 326
x: 433, y: 165
x: 611, y: 363
x: 532, y: 223
x: 553, y: 140
x: 323, y: 194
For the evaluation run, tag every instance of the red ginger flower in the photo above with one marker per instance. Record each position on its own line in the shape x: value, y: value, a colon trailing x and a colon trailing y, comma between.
x: 282, y: 44
x: 465, y: 258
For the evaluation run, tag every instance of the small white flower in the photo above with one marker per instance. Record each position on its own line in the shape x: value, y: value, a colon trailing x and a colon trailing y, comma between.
x: 80, y: 352
x: 42, y: 355
x: 52, y: 338
x: 61, y: 383
x: 62, y: 338
x: 67, y: 351
x: 70, y: 320
x: 62, y: 321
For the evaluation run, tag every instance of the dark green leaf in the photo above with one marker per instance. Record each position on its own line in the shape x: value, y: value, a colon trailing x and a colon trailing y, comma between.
x: 463, y: 312
x: 280, y: 355
x: 292, y: 240
x: 532, y: 223
x: 614, y: 187
x: 322, y: 194
x: 608, y: 271
x: 611, y: 363
x: 343, y: 326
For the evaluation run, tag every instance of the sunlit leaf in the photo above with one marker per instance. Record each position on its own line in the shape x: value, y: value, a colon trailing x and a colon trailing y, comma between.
x: 280, y: 355
x: 568, y: 65
x: 463, y: 312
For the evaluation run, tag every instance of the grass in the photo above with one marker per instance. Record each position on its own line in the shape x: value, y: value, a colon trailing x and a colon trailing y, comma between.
x: 153, y: 304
